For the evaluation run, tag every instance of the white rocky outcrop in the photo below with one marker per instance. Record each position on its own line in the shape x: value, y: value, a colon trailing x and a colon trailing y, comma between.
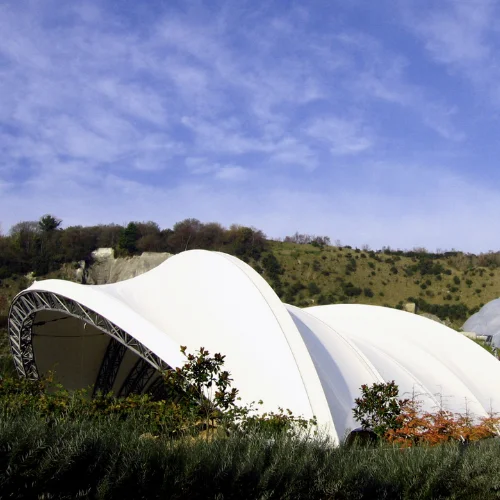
x: 105, y: 268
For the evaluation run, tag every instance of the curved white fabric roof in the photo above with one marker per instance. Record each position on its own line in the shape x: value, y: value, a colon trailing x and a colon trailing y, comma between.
x: 423, y: 356
x: 312, y: 361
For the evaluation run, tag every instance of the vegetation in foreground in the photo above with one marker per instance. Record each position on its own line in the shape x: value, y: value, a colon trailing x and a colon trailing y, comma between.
x: 404, y: 422
x: 112, y: 459
x: 201, y: 443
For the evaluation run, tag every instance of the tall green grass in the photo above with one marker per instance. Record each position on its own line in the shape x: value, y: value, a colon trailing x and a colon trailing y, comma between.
x: 108, y: 458
x: 6, y: 363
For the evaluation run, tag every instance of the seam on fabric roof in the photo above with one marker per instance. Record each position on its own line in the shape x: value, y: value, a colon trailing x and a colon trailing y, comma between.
x: 459, y: 378
x: 280, y: 327
x: 409, y: 373
x: 364, y: 359
x: 442, y: 362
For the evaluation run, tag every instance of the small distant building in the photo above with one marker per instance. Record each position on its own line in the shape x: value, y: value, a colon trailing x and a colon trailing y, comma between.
x: 410, y: 307
x: 474, y: 336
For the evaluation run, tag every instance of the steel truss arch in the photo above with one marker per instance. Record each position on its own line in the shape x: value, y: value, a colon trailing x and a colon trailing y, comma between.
x: 21, y: 319
x: 137, y: 379
x: 110, y: 366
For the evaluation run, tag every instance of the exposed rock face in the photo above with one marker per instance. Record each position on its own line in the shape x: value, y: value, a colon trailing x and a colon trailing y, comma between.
x: 445, y: 322
x: 106, y: 269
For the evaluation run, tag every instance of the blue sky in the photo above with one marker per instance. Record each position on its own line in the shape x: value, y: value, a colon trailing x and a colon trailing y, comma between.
x: 372, y: 122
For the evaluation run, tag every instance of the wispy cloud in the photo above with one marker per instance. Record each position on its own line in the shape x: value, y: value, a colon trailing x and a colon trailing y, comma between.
x: 110, y: 114
x: 457, y: 32
x: 463, y: 36
x: 231, y: 173
x: 228, y: 172
x: 342, y: 136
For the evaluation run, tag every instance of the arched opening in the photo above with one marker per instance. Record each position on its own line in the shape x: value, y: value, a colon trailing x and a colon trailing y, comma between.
x: 49, y: 332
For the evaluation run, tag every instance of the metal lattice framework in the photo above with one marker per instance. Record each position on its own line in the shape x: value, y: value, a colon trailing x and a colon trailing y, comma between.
x: 137, y: 379
x: 110, y: 365
x: 21, y: 321
x: 157, y: 389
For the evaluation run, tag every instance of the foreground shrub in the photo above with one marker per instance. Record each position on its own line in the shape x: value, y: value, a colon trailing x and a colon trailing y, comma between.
x: 59, y: 445
x: 110, y: 459
x: 199, y: 399
x: 402, y: 421
x: 378, y: 408
x: 414, y: 426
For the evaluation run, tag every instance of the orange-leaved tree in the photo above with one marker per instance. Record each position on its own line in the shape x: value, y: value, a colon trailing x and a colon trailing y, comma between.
x: 404, y: 422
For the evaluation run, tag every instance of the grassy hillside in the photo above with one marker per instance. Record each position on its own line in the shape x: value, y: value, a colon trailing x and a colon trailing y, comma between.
x: 450, y: 285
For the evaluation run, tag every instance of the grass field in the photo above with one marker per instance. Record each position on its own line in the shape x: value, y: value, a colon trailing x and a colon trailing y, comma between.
x: 313, y: 275
x: 384, y: 279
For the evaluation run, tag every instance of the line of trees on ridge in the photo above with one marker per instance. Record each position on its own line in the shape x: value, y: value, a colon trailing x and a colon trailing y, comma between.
x: 42, y: 246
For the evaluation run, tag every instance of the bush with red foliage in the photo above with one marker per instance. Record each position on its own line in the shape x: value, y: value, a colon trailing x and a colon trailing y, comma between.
x: 407, y: 424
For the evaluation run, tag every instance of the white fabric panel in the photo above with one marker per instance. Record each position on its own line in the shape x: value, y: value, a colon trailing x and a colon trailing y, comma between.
x: 341, y: 366
x: 434, y: 354
x: 420, y: 373
x: 408, y: 383
x: 302, y: 356
x: 202, y: 298
x: 133, y: 322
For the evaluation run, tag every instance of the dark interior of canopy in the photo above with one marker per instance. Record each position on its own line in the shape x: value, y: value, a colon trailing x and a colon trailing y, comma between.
x: 82, y: 356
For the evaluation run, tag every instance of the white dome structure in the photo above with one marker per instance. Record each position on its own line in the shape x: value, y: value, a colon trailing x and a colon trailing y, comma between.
x: 313, y: 361
x: 486, y: 322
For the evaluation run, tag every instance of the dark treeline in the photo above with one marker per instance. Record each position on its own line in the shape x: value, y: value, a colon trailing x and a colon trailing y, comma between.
x: 305, y: 239
x: 420, y: 253
x: 43, y: 246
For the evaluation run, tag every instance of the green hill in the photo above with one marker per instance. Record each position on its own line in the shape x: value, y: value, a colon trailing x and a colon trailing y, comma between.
x: 450, y: 285
x: 304, y: 270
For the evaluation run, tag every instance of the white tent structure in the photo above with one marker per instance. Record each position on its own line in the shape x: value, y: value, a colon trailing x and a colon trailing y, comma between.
x: 312, y: 361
